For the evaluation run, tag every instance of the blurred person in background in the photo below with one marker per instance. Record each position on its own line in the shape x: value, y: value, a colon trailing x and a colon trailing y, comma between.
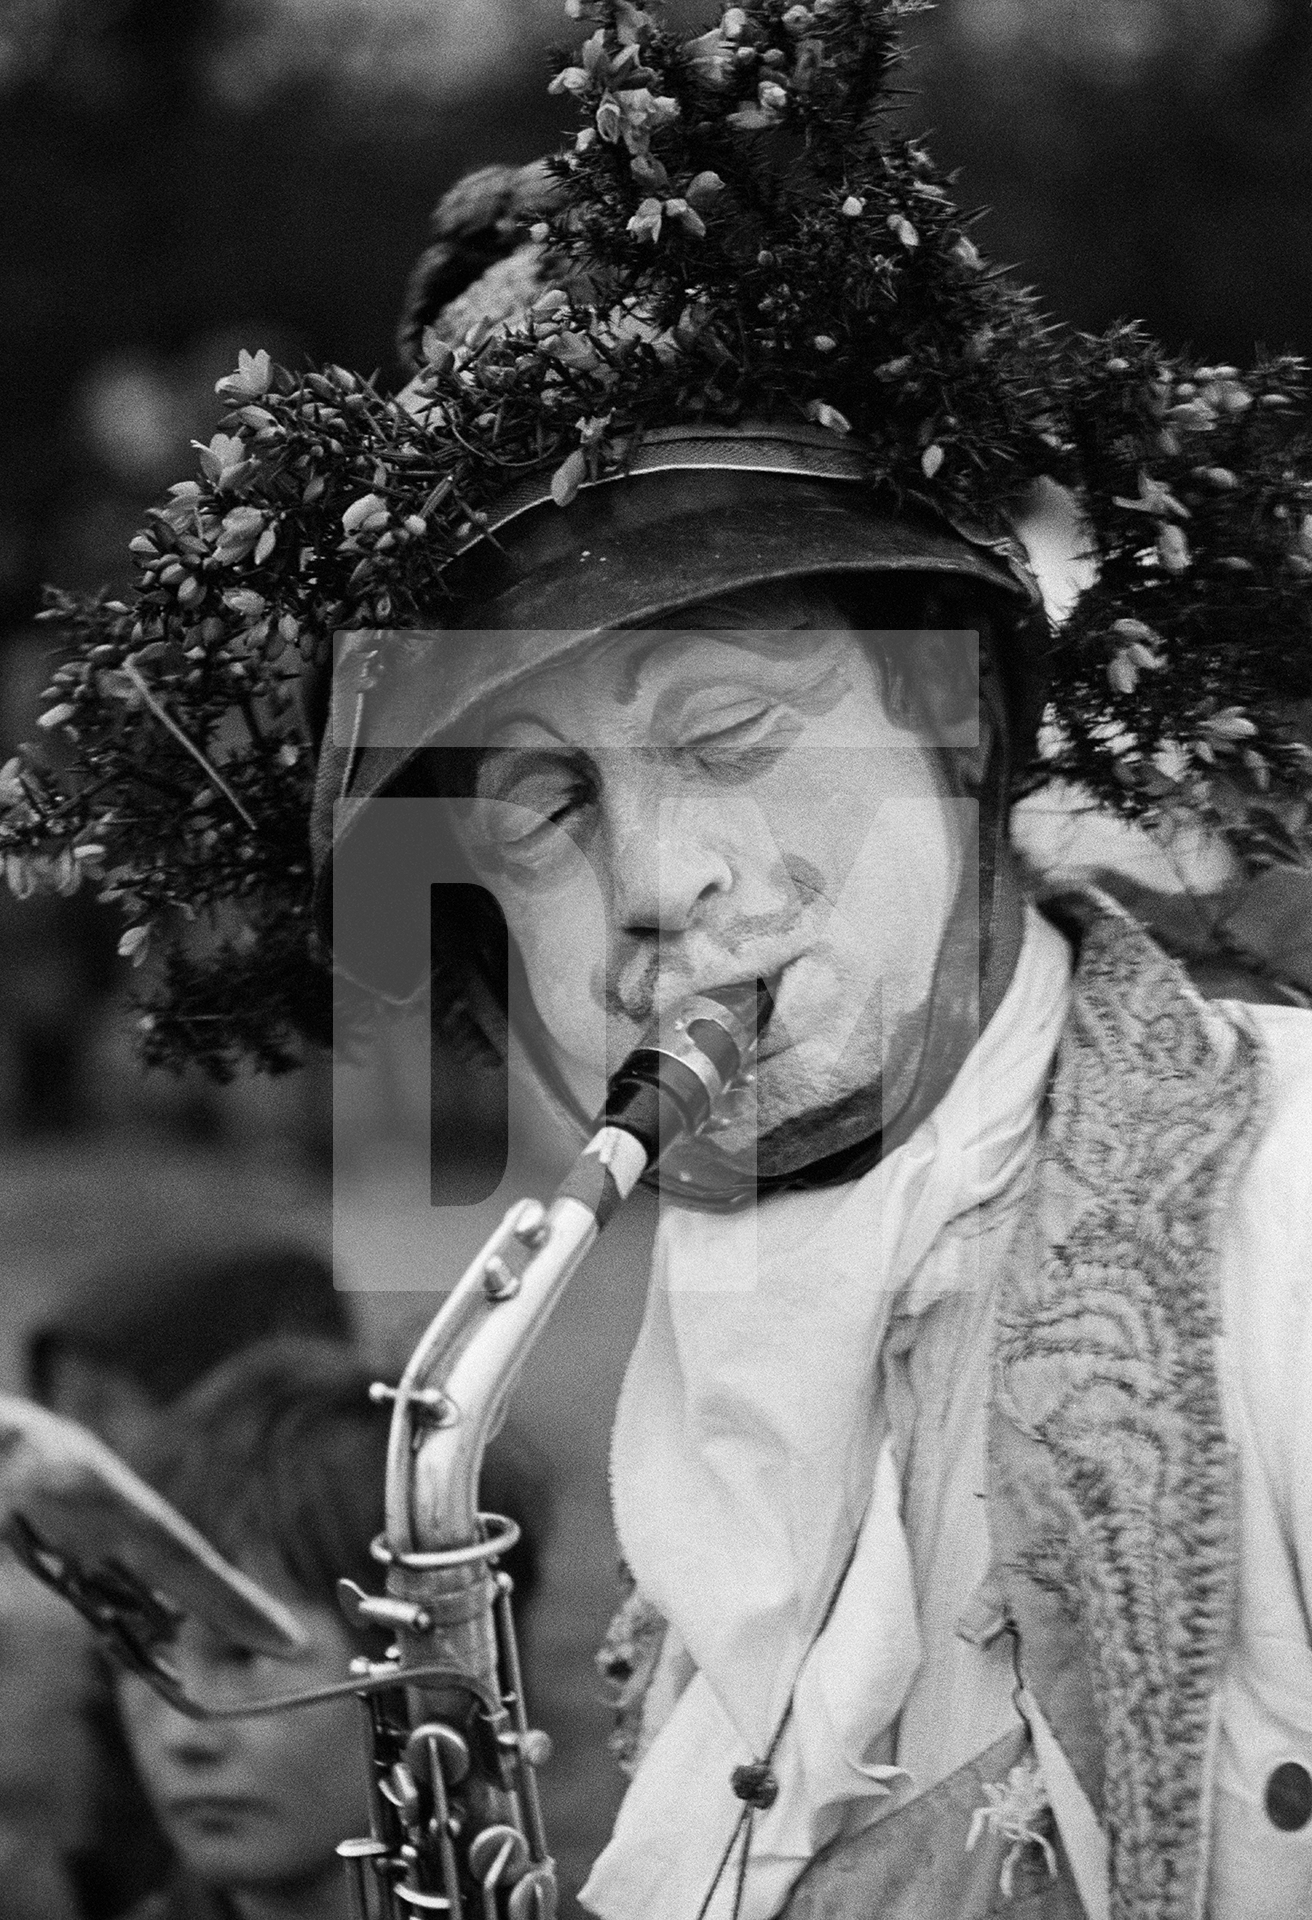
x: 278, y: 1457
x: 129, y: 1342
x: 130, y: 1339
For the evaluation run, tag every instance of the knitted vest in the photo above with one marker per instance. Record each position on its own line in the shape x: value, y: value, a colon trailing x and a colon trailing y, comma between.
x: 1112, y: 1500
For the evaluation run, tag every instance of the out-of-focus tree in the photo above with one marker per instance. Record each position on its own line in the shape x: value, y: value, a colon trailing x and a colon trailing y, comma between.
x: 241, y: 51
x: 173, y: 171
x: 1122, y: 40
x: 183, y: 180
x: 1148, y: 157
x: 393, y: 46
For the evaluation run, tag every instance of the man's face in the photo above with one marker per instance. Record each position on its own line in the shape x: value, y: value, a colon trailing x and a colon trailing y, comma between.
x: 671, y: 813
x: 255, y: 1802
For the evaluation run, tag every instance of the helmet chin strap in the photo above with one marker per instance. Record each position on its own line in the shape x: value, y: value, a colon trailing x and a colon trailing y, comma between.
x: 975, y: 961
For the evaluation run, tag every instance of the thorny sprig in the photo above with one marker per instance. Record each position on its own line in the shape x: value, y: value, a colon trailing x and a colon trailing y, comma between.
x: 187, y: 795
x: 744, y: 199
x: 1183, y: 688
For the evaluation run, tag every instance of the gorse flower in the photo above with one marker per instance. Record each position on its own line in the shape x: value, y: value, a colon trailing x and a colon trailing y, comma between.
x: 1185, y: 669
x: 253, y: 377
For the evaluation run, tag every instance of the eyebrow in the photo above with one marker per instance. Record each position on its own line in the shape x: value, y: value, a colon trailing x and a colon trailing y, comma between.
x: 771, y: 641
x: 521, y: 717
x: 817, y: 686
x: 775, y: 643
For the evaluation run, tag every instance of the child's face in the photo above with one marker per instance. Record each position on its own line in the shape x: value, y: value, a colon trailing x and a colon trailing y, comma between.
x: 262, y: 1802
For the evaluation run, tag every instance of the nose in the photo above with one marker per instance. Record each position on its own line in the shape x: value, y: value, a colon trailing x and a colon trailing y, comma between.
x: 667, y: 864
x: 156, y: 1727
x: 194, y: 1744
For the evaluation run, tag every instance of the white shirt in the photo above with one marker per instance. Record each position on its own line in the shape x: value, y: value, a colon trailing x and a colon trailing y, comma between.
x: 890, y: 1698
x: 756, y: 1448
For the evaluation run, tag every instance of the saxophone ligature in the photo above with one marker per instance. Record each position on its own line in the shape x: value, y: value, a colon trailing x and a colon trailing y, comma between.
x: 455, y: 1818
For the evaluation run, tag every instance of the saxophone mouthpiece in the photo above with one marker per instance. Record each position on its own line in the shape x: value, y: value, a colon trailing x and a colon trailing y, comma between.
x: 670, y: 1084
x: 752, y: 1004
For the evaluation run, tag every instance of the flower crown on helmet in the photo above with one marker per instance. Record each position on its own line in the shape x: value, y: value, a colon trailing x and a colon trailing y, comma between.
x: 739, y: 230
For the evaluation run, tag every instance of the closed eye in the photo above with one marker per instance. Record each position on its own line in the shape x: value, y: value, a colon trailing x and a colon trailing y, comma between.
x: 531, y: 796
x: 536, y: 816
x: 745, y: 745
x: 731, y: 729
x: 229, y: 1656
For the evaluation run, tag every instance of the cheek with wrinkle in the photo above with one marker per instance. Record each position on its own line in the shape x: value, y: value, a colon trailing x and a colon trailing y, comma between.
x: 911, y: 839
x: 560, y: 930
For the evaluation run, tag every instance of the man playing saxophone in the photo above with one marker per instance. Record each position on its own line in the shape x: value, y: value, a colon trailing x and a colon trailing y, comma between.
x: 962, y: 1463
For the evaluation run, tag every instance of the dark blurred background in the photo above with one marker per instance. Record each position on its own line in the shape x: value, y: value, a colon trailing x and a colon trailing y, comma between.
x: 181, y: 180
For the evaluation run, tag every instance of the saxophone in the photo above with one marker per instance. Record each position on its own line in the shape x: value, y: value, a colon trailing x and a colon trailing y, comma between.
x: 455, y: 1817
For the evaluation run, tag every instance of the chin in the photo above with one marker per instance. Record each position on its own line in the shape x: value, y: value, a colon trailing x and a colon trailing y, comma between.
x: 248, y: 1869
x: 226, y: 1861
x: 788, y: 1115
x: 801, y: 1082
x: 798, y: 1125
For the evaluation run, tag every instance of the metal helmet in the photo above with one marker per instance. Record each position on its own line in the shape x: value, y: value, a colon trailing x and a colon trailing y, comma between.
x: 702, y: 512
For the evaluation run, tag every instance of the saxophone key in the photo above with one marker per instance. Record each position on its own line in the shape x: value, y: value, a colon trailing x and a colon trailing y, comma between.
x: 532, y: 1745
x: 498, y: 1853
x: 534, y: 1897
x: 382, y: 1610
x: 421, y: 1902
x: 498, y: 1856
x: 402, y: 1790
x: 500, y: 1281
x: 362, y: 1861
x: 433, y: 1743
x: 429, y: 1403
x: 529, y: 1220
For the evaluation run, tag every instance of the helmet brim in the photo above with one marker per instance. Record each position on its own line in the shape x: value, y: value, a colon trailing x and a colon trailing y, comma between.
x: 699, y: 514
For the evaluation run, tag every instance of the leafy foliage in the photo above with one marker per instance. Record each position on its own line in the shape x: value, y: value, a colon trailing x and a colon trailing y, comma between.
x: 187, y: 796
x: 1183, y: 684
x: 739, y: 230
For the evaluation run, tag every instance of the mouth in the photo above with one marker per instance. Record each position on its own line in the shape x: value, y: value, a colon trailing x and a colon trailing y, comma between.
x: 774, y: 1034
x: 773, y: 1038
x: 215, y: 1811
x: 774, y: 1041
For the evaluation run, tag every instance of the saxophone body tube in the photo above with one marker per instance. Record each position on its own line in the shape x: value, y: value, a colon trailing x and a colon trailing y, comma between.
x: 456, y: 1818
x: 453, y: 1392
